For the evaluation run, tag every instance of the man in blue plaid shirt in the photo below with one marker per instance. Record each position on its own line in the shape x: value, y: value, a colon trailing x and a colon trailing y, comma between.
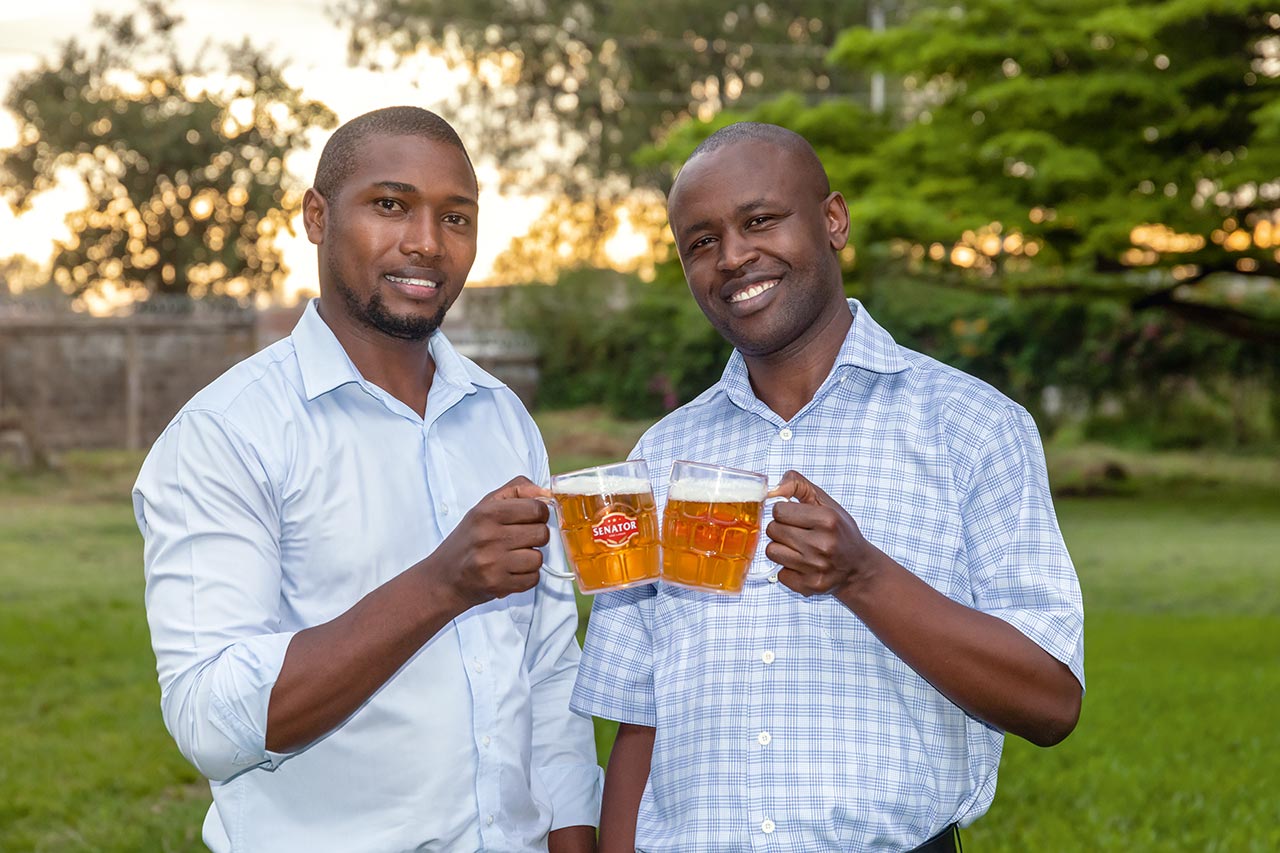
x: 911, y: 600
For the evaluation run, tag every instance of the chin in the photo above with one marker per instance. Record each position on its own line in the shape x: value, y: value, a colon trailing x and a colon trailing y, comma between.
x: 749, y: 344
x: 407, y: 327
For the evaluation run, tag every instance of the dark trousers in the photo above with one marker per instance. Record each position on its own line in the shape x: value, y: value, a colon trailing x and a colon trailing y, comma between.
x: 947, y: 841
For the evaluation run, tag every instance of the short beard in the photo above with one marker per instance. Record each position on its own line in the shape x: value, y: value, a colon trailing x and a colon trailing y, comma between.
x: 374, y: 315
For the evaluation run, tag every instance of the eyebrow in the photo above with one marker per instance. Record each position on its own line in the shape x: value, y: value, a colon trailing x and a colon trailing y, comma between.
x: 741, y: 210
x: 401, y: 187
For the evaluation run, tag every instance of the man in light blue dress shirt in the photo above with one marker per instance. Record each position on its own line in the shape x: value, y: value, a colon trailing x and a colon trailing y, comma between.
x: 354, y: 639
x: 911, y: 600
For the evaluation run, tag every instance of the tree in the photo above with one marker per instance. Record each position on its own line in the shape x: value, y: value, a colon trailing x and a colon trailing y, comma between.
x: 183, y: 163
x: 562, y: 93
x: 1127, y: 150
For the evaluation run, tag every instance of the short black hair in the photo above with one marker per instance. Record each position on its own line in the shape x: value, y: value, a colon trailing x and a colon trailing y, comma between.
x: 755, y: 131
x: 338, y: 159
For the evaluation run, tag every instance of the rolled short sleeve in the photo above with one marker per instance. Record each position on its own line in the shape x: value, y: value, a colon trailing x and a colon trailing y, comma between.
x: 205, y: 504
x: 1020, y: 567
x: 615, y: 680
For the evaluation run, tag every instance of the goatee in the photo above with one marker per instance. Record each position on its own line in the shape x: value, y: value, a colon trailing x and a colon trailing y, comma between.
x: 375, y: 315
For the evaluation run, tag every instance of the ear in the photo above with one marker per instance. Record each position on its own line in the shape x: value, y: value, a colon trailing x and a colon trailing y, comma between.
x: 836, y: 215
x: 315, y: 214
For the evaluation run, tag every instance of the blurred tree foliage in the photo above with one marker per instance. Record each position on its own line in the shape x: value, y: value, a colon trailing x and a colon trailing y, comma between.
x: 640, y: 348
x: 562, y: 93
x: 182, y: 163
x: 18, y: 273
x: 1124, y: 150
x: 567, y: 235
x: 1149, y: 379
x: 1092, y: 367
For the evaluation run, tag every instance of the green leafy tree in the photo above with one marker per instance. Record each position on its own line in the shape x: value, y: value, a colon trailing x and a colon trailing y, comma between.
x: 562, y: 93
x: 1126, y: 150
x: 599, y: 80
x: 183, y: 163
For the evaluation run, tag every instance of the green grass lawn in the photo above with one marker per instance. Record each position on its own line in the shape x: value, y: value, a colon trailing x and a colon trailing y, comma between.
x: 1176, y: 749
x: 1177, y: 743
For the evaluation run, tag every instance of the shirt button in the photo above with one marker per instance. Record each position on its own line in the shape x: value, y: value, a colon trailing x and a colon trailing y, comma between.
x: 444, y: 509
x: 477, y: 664
x: 768, y: 656
x: 486, y: 740
x: 767, y: 826
x: 764, y: 738
x: 489, y: 820
x: 785, y: 434
x: 773, y: 578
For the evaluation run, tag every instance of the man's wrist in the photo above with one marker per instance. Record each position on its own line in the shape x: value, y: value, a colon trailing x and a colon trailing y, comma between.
x: 572, y: 839
x: 871, y: 566
x: 442, y: 597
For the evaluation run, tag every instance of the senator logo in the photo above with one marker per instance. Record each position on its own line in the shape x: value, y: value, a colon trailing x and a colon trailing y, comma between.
x: 615, y: 530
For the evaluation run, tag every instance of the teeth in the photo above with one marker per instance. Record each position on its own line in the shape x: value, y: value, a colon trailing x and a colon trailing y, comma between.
x: 416, y: 282
x: 753, y: 291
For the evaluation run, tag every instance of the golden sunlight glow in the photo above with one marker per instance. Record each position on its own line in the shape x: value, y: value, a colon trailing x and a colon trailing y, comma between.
x: 1162, y: 239
x: 1237, y: 241
x: 983, y: 250
x: 8, y: 130
x: 963, y: 256
x: 1265, y: 235
x: 202, y: 205
x: 627, y: 245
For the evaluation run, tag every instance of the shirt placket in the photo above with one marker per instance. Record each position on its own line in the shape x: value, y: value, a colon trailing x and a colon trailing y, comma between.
x: 760, y: 744
x: 472, y: 642
x: 480, y: 676
x: 767, y: 830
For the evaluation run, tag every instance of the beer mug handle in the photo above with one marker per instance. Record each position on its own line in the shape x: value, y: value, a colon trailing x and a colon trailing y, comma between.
x: 555, y: 511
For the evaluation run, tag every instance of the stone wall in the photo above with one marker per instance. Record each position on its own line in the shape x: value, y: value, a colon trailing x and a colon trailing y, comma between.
x: 77, y: 381
x: 68, y: 380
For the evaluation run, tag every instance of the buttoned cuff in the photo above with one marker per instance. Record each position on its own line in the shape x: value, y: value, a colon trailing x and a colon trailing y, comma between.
x: 575, y: 791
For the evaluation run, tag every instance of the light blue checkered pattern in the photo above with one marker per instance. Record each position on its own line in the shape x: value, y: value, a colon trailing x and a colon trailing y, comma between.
x: 783, y: 723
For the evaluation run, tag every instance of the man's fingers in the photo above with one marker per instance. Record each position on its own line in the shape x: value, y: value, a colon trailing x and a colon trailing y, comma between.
x: 529, y: 535
x: 520, y: 487
x: 803, y: 516
x: 526, y: 561
x: 794, y: 485
x: 784, y: 555
x: 512, y: 510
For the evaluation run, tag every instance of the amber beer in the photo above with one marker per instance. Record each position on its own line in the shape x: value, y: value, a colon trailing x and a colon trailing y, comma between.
x: 710, y: 526
x: 609, y: 524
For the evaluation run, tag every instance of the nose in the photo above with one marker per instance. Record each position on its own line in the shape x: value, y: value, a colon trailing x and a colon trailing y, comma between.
x: 736, y: 252
x: 422, y: 237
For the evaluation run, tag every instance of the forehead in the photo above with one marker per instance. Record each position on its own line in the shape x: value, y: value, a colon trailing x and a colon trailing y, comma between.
x: 714, y: 184
x: 425, y: 163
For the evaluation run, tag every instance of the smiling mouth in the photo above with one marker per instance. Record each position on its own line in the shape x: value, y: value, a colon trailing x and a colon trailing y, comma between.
x: 412, y: 282
x: 754, y: 290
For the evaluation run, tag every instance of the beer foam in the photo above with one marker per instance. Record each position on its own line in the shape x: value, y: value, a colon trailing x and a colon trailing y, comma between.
x: 717, y: 491
x: 594, y: 484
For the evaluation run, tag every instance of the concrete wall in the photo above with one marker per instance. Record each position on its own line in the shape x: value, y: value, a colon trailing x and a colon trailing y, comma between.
x: 69, y: 380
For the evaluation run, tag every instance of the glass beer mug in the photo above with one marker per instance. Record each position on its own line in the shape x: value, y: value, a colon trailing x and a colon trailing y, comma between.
x: 609, y: 525
x: 711, y: 526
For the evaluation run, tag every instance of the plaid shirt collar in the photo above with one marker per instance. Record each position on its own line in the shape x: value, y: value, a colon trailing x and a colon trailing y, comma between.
x: 867, y: 346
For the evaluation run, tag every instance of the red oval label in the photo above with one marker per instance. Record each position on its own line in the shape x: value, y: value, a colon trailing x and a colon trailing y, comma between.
x: 615, y: 530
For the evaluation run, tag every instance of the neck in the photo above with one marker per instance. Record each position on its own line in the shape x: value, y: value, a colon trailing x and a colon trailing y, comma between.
x: 786, y: 380
x: 404, y: 369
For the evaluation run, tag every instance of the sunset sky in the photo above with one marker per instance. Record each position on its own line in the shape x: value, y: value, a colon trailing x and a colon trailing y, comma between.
x: 299, y: 31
